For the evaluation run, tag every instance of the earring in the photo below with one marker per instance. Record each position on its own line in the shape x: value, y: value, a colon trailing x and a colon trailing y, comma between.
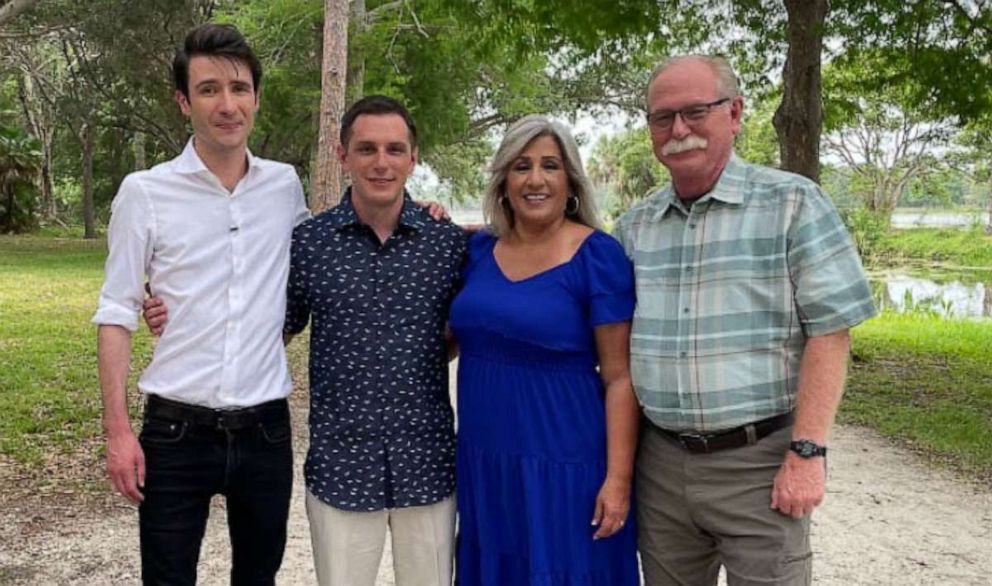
x: 501, y: 200
x: 572, y: 199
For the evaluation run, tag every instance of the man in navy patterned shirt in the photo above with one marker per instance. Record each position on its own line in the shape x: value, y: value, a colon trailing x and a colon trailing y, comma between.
x: 375, y: 276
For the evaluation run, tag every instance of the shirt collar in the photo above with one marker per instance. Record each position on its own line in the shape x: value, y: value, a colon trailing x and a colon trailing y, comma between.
x: 189, y: 162
x: 411, y: 216
x: 727, y: 188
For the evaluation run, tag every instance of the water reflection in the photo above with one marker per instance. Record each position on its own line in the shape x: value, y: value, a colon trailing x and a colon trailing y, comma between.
x: 957, y: 299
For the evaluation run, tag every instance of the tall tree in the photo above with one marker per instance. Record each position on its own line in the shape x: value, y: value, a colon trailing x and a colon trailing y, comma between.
x: 41, y: 117
x: 325, y: 188
x: 799, y: 118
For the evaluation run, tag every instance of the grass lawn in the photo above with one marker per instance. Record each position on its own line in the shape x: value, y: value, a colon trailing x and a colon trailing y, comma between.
x: 928, y: 381
x: 49, y: 391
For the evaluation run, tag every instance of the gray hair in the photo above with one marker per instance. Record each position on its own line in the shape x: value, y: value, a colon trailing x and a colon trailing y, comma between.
x: 725, y: 77
x: 499, y: 216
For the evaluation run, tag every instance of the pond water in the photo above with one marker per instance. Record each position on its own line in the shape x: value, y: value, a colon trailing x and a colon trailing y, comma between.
x: 935, y: 219
x: 953, y: 296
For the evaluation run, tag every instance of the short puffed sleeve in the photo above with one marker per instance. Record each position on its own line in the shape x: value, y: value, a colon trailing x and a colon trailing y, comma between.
x: 609, y: 280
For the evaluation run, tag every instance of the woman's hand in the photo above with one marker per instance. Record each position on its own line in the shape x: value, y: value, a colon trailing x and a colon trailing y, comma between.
x: 435, y: 210
x: 612, y: 507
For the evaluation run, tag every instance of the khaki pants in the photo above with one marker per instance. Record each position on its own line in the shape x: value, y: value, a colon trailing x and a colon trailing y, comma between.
x: 698, y: 511
x: 347, y: 545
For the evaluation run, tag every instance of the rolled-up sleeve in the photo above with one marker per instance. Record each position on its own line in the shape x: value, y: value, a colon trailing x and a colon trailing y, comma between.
x: 129, y: 239
x: 831, y: 290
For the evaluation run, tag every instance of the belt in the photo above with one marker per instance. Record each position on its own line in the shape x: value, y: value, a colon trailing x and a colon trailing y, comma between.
x: 217, y: 418
x: 744, y: 435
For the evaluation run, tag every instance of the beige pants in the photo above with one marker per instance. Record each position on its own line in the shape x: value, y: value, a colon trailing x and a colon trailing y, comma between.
x: 698, y: 511
x: 347, y: 545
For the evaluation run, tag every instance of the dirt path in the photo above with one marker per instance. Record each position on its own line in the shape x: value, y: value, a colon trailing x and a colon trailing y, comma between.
x: 889, y: 519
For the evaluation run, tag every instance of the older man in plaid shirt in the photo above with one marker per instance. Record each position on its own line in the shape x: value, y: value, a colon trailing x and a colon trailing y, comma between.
x: 747, y: 283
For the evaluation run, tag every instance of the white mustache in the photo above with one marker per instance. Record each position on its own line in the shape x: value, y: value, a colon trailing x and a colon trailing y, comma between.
x: 688, y: 143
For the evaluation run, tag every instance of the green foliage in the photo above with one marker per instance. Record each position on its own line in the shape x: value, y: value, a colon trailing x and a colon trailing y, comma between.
x: 934, y: 52
x: 757, y: 143
x: 625, y: 164
x: 285, y: 36
x: 970, y: 248
x: 464, y: 168
x: 549, y: 24
x: 20, y: 160
x: 868, y: 230
x: 467, y: 69
x: 925, y: 380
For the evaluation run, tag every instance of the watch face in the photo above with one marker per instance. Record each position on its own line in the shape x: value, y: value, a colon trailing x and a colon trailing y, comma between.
x: 807, y: 448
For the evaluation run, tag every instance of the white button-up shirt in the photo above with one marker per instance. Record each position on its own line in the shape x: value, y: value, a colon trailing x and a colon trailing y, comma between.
x: 219, y: 259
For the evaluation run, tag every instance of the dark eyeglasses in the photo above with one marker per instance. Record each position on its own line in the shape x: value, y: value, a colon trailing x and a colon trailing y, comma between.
x: 663, y: 119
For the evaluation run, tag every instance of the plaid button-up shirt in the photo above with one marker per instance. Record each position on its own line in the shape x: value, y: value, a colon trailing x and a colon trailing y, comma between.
x: 728, y: 291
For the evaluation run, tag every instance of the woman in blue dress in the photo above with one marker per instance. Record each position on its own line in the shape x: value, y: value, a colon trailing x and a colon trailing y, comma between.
x: 547, y: 417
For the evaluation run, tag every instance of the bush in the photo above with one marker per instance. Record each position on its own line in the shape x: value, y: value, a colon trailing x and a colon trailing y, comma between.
x: 868, y: 229
x: 20, y: 159
x: 18, y: 208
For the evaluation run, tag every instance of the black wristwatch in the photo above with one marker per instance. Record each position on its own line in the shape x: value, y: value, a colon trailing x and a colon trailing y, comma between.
x: 806, y: 449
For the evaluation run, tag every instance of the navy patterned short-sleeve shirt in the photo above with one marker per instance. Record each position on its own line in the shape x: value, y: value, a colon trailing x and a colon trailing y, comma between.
x: 381, y: 424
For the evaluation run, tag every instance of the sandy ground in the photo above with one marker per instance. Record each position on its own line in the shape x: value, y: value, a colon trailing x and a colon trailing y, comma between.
x: 889, y: 519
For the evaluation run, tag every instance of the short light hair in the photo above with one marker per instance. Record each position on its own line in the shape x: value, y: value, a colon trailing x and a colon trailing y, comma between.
x: 497, y: 214
x: 726, y: 79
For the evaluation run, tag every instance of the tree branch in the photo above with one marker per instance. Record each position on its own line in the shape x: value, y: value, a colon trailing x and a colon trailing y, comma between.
x: 15, y: 8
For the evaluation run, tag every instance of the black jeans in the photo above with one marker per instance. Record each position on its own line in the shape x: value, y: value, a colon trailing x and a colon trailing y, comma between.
x: 193, y: 453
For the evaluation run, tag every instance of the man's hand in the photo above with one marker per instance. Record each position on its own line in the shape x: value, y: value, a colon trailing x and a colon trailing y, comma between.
x: 612, y: 507
x: 126, y: 465
x: 799, y: 485
x: 155, y: 314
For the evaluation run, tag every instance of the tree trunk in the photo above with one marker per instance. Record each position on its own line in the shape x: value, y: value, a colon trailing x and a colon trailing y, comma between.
x: 49, y: 209
x: 988, y: 225
x: 89, y: 217
x: 325, y: 188
x: 355, y: 83
x: 138, y: 144
x: 8, y: 190
x: 798, y: 120
x: 39, y: 123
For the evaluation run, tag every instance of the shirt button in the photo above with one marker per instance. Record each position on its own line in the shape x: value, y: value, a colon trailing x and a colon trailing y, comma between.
x: 686, y: 310
x: 683, y: 354
x: 692, y: 226
x: 688, y: 268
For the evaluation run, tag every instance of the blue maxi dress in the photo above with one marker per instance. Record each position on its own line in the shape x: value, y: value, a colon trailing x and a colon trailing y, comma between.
x: 531, y: 453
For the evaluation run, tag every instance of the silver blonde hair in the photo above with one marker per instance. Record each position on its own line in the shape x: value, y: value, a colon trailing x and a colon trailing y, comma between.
x: 498, y: 216
x: 726, y: 79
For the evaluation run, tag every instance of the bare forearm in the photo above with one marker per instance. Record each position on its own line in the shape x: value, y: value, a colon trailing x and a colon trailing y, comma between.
x: 622, y: 412
x: 821, y: 385
x: 622, y: 420
x: 114, y: 353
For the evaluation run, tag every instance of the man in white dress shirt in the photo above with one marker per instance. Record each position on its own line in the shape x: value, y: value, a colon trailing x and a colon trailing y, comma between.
x: 210, y: 230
